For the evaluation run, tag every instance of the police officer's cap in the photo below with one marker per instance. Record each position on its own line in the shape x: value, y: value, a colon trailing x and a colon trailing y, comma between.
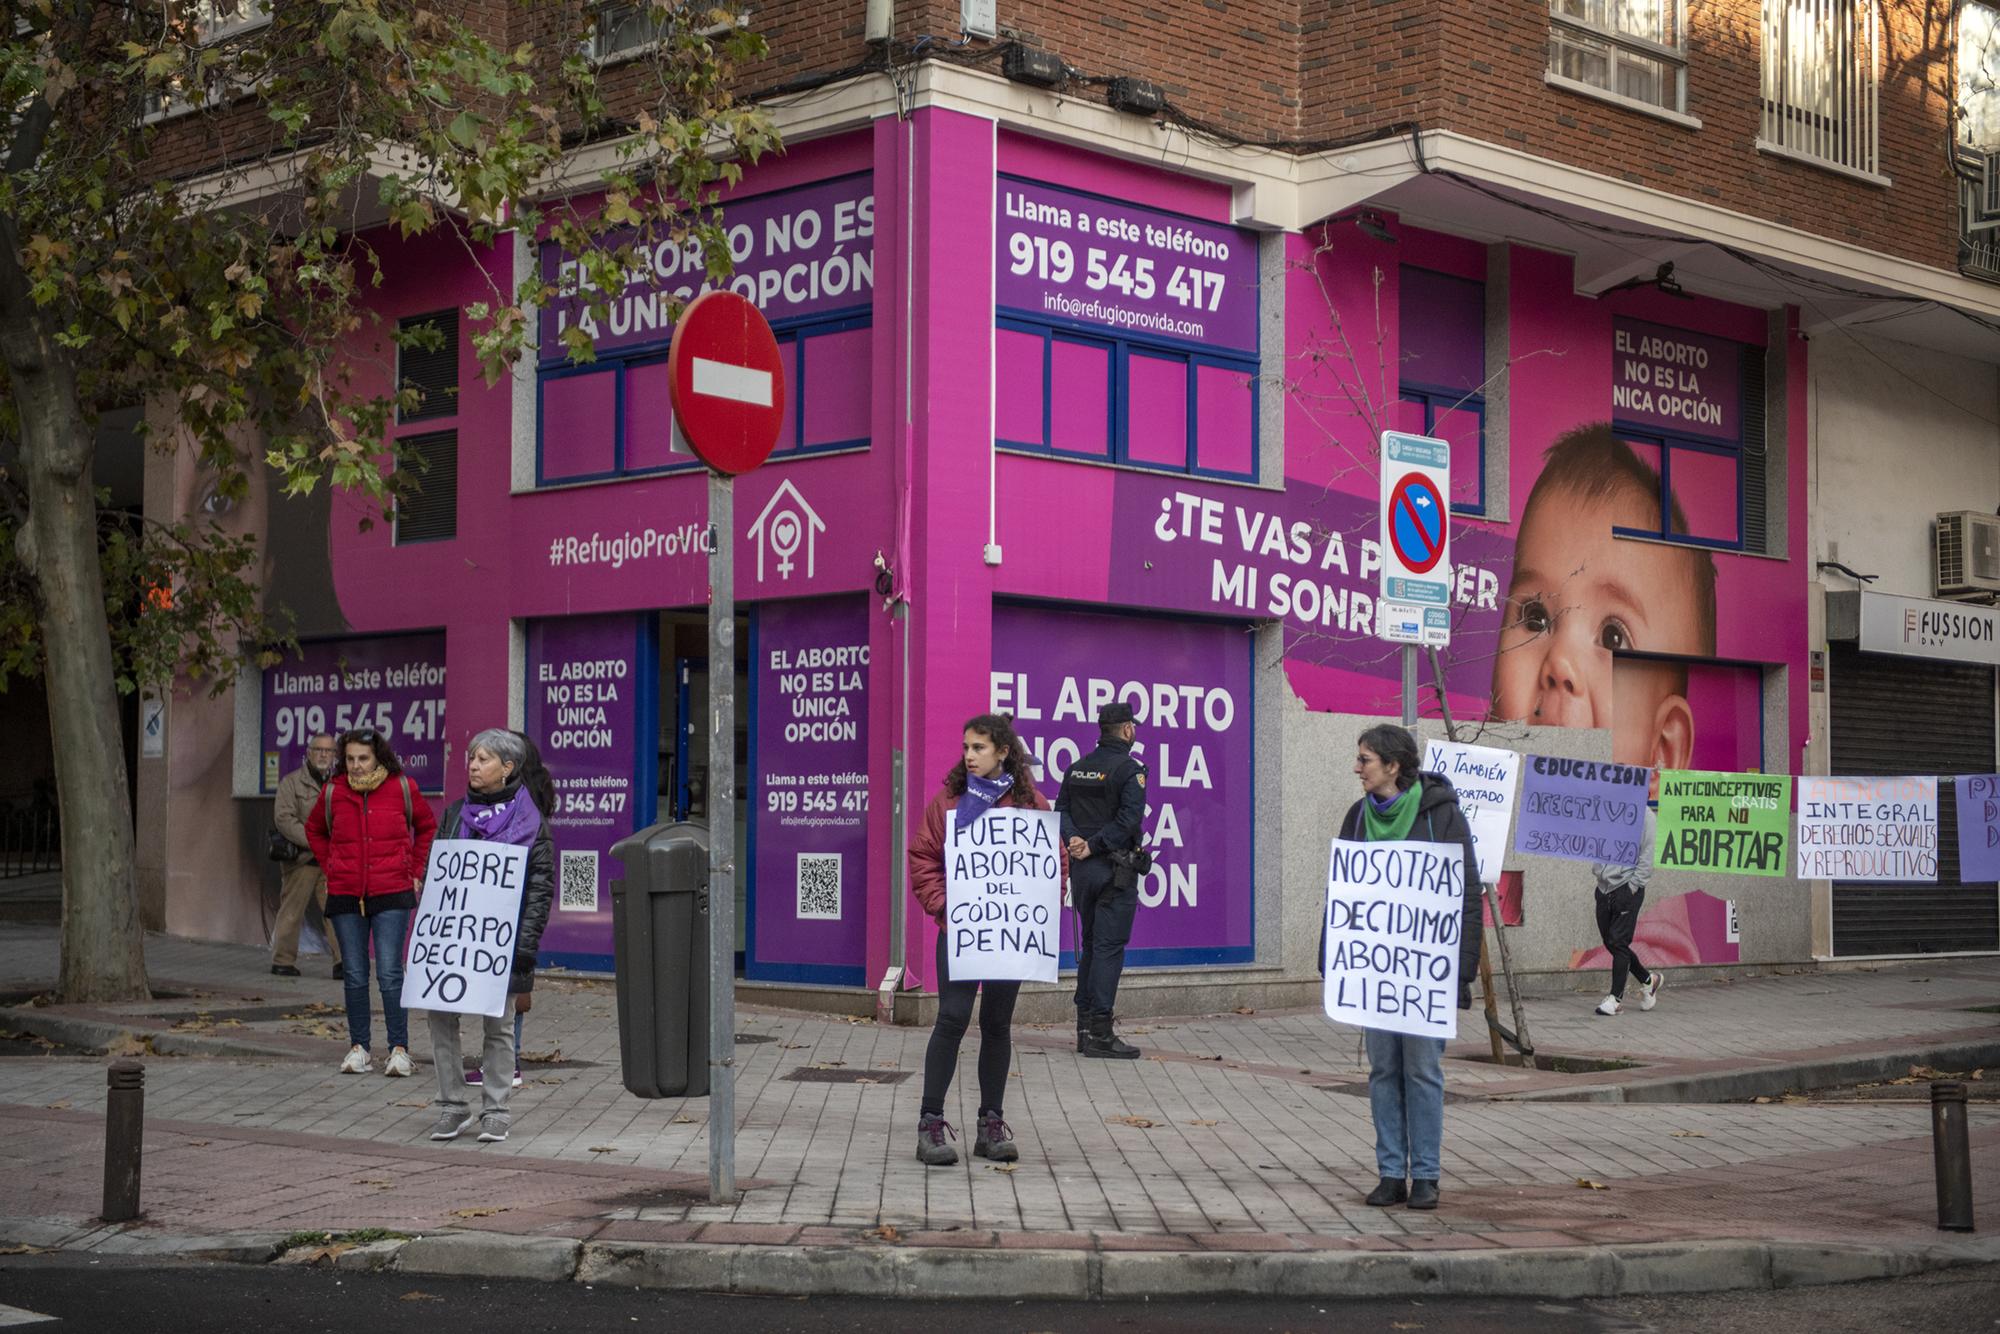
x: 1114, y: 715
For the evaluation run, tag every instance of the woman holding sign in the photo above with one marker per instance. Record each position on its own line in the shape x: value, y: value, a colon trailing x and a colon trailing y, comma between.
x: 993, y: 772
x: 1406, y: 1073
x: 499, y: 807
x: 371, y: 831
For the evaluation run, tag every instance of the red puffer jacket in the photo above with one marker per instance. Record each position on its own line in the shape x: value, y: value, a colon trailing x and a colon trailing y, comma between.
x: 371, y: 851
x: 927, y: 848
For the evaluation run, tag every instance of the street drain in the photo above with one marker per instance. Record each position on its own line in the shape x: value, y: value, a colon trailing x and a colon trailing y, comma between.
x: 812, y: 1074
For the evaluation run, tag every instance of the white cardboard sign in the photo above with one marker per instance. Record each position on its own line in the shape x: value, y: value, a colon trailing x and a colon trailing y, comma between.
x: 1003, y: 896
x: 1486, y: 780
x: 1868, y: 828
x: 1394, y: 914
x: 462, y: 941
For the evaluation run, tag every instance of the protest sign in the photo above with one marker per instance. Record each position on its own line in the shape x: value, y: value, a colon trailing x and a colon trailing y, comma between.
x: 1582, y: 809
x: 1485, y: 779
x: 1978, y: 827
x: 1394, y: 914
x: 1740, y: 824
x: 462, y: 941
x: 1868, y: 829
x: 1003, y: 896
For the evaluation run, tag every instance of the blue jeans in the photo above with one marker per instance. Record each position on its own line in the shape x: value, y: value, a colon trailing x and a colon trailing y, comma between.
x: 389, y: 928
x: 1406, y: 1096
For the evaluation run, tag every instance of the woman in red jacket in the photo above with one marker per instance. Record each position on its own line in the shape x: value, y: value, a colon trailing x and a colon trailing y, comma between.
x: 371, y: 831
x: 995, y: 771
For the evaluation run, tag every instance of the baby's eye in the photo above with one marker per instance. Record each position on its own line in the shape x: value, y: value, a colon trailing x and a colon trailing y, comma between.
x: 1535, y: 616
x: 216, y: 505
x: 1615, y: 636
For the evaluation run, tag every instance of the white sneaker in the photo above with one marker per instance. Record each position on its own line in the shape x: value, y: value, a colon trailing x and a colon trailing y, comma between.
x: 357, y: 1062
x: 1609, y: 1006
x: 398, y: 1063
x: 1649, y: 995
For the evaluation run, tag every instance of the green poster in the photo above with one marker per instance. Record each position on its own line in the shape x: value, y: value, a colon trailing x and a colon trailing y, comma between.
x: 1740, y: 824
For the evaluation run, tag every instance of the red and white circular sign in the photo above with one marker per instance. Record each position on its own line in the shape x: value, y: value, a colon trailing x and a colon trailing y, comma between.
x: 726, y: 382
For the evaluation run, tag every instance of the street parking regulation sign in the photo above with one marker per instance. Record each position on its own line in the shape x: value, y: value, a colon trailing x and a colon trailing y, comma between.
x: 1416, y: 533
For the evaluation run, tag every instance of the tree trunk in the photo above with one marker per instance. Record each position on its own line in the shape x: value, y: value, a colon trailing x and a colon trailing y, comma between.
x: 103, y: 945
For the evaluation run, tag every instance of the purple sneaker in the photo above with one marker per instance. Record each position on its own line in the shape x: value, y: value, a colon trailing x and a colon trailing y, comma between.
x: 475, y: 1076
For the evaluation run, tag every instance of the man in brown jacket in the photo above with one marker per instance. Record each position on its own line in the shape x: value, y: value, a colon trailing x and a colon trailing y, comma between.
x: 304, y: 881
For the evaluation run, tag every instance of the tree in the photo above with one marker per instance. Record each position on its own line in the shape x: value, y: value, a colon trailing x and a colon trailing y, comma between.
x: 128, y: 277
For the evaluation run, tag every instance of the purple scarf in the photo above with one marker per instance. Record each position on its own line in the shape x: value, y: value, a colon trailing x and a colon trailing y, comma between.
x: 512, y: 820
x: 980, y: 794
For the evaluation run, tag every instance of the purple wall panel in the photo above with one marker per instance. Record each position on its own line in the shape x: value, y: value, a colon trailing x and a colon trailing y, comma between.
x: 1444, y: 330
x: 1018, y: 382
x: 649, y: 419
x: 1158, y: 416
x: 836, y: 384
x: 1223, y: 425
x: 1080, y: 397
x: 579, y: 416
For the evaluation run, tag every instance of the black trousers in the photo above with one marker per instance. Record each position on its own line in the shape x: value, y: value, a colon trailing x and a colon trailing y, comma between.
x: 1617, y: 919
x: 996, y: 1038
x: 1103, y: 926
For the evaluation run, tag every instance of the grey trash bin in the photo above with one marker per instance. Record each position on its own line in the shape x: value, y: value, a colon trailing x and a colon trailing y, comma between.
x: 659, y: 927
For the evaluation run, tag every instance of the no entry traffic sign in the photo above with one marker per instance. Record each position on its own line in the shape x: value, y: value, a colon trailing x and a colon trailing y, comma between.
x: 726, y: 382
x: 1416, y: 521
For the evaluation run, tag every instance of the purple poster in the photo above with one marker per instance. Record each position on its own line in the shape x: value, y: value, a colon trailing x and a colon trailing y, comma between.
x: 809, y: 783
x: 1117, y: 266
x: 1978, y: 827
x: 796, y: 252
x: 1581, y: 809
x: 394, y: 684
x: 585, y: 679
x: 1189, y: 688
x: 1686, y: 383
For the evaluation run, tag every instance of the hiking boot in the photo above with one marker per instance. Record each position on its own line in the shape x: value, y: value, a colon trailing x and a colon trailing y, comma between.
x: 1105, y: 1044
x: 451, y: 1123
x: 492, y: 1128
x: 995, y: 1139
x: 1649, y: 995
x: 932, y: 1151
x: 357, y: 1062
x: 283, y: 970
x: 1608, y: 1006
x: 1423, y: 1194
x: 1390, y: 1191
x: 398, y: 1065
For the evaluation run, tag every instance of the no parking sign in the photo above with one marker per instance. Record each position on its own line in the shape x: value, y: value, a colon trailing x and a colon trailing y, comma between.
x: 1416, y: 540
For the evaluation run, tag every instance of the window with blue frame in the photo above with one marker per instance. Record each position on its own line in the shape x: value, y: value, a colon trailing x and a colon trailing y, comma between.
x: 612, y: 418
x: 1124, y: 400
x: 1700, y: 497
x: 1442, y: 378
x: 1690, y: 407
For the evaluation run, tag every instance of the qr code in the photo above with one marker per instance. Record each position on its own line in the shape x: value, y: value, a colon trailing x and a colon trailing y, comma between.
x: 819, y: 886
x: 579, y: 882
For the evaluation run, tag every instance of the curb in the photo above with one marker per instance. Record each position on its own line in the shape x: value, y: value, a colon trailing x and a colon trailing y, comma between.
x: 1772, y: 1080
x: 885, y: 1272
x: 101, y: 1035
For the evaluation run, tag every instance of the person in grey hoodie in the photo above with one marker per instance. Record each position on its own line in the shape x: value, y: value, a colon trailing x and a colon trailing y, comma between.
x: 1621, y: 892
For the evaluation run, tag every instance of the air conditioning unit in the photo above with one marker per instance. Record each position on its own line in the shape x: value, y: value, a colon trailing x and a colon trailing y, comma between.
x: 1967, y: 555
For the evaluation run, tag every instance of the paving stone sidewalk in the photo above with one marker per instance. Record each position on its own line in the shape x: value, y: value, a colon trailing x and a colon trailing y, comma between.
x: 1240, y: 1132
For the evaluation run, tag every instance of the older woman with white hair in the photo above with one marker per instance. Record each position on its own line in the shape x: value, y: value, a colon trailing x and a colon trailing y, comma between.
x: 497, y: 808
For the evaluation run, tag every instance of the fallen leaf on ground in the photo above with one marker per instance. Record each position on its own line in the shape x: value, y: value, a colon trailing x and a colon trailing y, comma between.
x: 1689, y: 1134
x: 62, y: 1106
x: 22, y: 1250
x: 197, y: 1144
x: 1761, y: 1099
x: 1139, y: 1121
x: 864, y: 1079
x: 1245, y: 1009
x: 891, y: 1065
x: 1204, y: 1123
x: 603, y: 1148
x: 1406, y: 1324
x: 1586, y: 1183
x: 548, y: 1079
x: 682, y: 1121
x: 796, y: 1046
x: 828, y: 1065
x: 885, y: 1233
x: 419, y: 1103
x: 477, y: 1213
x: 1003, y: 1167
x: 420, y: 1297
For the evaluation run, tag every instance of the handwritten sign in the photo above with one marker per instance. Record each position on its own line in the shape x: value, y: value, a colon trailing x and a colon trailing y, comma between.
x: 1978, y: 827
x: 462, y: 941
x: 1003, y: 897
x: 1868, y: 829
x: 1582, y: 809
x: 1394, y: 913
x: 1740, y: 824
x: 1486, y: 780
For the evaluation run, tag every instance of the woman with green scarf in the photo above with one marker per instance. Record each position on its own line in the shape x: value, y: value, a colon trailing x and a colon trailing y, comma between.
x: 1406, y: 1074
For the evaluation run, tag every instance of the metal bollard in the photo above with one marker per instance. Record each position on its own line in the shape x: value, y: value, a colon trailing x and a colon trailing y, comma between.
x: 1953, y: 1155
x: 124, y: 1139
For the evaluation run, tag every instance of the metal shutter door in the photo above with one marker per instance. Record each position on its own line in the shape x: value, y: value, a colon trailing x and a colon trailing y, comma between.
x: 1895, y: 715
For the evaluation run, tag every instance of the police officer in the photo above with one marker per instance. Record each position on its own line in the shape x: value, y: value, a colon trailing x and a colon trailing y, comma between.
x: 1102, y: 802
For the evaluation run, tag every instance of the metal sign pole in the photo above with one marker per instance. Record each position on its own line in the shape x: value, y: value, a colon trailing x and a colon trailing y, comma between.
x: 1409, y: 685
x: 721, y: 838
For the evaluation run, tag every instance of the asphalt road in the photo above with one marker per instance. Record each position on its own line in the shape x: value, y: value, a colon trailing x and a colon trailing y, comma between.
x: 132, y: 1297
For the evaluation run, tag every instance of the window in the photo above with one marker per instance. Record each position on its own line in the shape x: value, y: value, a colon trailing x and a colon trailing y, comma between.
x: 429, y: 511
x: 1977, y: 152
x: 1633, y: 50
x: 613, y: 418
x: 1125, y: 400
x: 626, y: 28
x: 208, y: 23
x: 427, y: 361
x: 1443, y: 374
x: 1821, y: 71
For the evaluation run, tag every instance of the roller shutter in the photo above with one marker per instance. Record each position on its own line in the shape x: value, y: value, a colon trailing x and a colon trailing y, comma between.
x: 1901, y: 715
